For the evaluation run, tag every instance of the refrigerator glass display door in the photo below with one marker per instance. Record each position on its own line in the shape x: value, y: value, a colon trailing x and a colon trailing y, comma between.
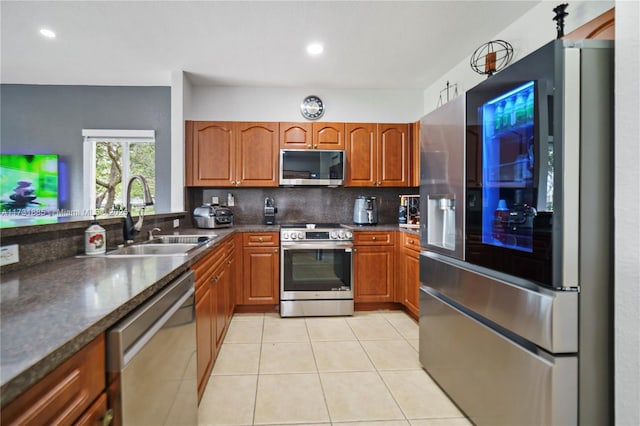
x: 507, y: 169
x: 510, y: 163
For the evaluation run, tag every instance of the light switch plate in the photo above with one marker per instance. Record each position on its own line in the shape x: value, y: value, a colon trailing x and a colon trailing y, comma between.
x: 176, y: 223
x: 9, y: 255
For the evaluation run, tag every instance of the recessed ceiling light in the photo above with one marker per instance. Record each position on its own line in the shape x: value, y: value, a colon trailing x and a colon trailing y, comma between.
x: 47, y: 33
x: 314, y: 49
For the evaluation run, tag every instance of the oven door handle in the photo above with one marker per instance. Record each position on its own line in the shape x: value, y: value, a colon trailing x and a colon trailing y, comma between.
x: 300, y: 246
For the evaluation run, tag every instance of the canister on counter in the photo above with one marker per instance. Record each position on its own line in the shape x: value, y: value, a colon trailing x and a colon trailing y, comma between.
x: 95, y: 238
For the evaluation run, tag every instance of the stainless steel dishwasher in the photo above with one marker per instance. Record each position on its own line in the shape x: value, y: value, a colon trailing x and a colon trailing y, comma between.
x: 152, y: 354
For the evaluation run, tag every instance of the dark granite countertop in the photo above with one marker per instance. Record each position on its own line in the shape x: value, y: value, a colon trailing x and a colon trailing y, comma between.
x: 50, y: 311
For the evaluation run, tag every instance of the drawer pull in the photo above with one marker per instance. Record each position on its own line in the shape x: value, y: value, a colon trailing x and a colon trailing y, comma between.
x: 373, y: 238
x: 260, y: 239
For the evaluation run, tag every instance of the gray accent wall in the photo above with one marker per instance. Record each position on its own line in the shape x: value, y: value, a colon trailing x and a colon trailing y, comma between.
x: 49, y: 119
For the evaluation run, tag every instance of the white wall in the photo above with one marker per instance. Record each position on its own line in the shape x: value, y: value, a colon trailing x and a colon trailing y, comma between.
x: 180, y: 92
x: 627, y: 214
x: 283, y: 104
x: 528, y: 33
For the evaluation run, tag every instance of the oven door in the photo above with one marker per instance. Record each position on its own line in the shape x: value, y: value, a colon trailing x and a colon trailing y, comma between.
x: 316, y: 270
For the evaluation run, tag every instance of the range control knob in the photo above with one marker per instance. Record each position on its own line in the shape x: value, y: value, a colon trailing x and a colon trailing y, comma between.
x: 341, y: 235
x: 285, y: 235
x: 349, y: 235
x: 334, y: 235
x: 294, y: 236
x: 300, y: 236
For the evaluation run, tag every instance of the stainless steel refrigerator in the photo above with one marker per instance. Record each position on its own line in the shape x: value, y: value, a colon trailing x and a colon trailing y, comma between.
x: 516, y: 278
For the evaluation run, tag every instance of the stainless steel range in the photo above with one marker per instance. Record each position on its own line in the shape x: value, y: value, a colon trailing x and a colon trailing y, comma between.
x: 316, y: 274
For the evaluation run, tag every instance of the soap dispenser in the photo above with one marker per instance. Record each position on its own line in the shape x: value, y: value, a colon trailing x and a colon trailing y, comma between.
x: 95, y: 238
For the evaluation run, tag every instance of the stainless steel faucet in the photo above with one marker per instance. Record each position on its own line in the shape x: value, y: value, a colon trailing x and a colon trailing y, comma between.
x: 152, y: 231
x: 130, y: 229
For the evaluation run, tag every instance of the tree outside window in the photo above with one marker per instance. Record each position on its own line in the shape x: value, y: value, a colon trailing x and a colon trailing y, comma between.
x: 110, y: 162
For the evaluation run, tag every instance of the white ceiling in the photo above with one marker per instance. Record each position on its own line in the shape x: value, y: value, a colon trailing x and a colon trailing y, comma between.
x: 368, y: 44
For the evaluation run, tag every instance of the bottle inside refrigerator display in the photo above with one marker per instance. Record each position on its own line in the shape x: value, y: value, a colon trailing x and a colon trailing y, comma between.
x: 507, y: 168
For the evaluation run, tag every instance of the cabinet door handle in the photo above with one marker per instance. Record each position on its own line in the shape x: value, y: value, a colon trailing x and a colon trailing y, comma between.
x: 275, y: 250
x: 107, y: 418
x: 316, y: 146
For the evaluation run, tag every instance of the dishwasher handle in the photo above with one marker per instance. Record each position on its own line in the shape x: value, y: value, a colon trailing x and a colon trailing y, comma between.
x: 127, y: 338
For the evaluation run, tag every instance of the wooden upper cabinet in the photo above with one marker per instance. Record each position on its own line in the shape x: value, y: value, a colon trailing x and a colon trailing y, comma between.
x: 296, y: 136
x: 328, y: 135
x: 602, y: 27
x: 414, y: 148
x: 210, y: 153
x: 257, y: 158
x: 393, y: 155
x: 361, y: 154
x: 223, y: 154
x: 377, y: 155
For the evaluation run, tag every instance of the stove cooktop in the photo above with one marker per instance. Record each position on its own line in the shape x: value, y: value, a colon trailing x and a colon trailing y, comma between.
x: 311, y: 226
x: 291, y: 232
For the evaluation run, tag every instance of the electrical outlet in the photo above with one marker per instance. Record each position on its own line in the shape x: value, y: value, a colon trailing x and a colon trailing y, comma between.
x: 9, y: 255
x: 176, y: 223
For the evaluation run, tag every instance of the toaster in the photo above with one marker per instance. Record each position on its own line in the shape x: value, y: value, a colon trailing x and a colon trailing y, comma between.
x: 209, y: 217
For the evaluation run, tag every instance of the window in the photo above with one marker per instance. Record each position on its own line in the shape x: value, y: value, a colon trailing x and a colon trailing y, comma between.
x: 111, y: 159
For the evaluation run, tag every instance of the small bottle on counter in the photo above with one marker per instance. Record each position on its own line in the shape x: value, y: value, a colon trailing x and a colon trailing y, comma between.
x: 95, y: 238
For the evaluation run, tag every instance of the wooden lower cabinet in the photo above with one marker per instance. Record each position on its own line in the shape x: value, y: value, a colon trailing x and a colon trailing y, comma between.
x: 261, y: 269
x: 214, y: 306
x: 409, y: 273
x: 220, y: 297
x: 204, y: 337
x: 373, y: 266
x: 67, y: 395
x: 97, y: 414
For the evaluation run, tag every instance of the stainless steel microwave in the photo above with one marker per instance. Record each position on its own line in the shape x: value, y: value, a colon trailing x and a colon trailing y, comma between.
x: 317, y: 167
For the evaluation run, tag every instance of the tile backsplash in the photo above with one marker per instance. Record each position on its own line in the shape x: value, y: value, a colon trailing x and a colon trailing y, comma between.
x: 306, y: 205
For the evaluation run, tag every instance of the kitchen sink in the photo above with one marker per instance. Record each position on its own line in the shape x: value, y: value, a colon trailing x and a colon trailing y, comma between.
x: 163, y: 245
x: 180, y: 239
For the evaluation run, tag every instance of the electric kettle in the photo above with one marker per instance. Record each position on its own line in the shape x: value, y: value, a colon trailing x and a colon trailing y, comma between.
x: 365, y: 211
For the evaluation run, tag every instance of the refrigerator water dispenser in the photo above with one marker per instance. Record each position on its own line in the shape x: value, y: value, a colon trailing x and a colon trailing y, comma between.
x: 441, y: 228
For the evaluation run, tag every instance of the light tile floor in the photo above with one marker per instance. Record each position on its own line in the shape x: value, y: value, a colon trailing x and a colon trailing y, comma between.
x: 360, y: 370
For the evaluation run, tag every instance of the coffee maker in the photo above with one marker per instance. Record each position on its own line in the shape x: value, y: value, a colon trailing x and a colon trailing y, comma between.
x: 270, y: 211
x: 365, y: 211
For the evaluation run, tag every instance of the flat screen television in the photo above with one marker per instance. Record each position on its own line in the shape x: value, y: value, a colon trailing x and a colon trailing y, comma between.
x: 28, y: 184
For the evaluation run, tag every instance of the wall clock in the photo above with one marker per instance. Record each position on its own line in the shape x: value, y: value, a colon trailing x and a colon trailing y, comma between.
x: 312, y: 107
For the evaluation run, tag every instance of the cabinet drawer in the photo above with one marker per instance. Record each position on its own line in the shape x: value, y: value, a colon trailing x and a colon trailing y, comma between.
x: 230, y: 247
x: 96, y: 414
x: 205, y: 266
x: 374, y: 238
x: 260, y: 239
x: 63, y: 395
x: 410, y: 241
